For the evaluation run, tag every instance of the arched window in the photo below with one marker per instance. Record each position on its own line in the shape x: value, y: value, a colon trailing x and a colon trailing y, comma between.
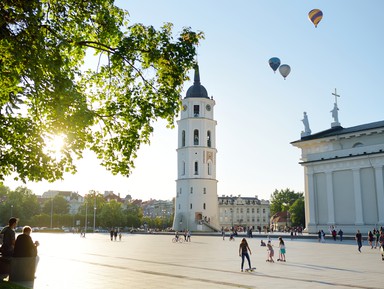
x: 208, y: 139
x: 196, y: 168
x: 196, y: 137
x: 183, y: 138
x: 358, y: 144
x: 204, y: 206
x: 191, y: 206
x: 209, y: 168
x: 191, y: 190
x: 204, y: 191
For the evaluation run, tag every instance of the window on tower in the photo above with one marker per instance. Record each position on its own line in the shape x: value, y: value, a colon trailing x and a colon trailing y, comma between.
x: 209, y: 168
x: 196, y: 110
x: 196, y: 168
x: 208, y: 139
x: 196, y: 137
x: 204, y: 191
x: 191, y: 190
x: 183, y: 138
x: 183, y: 168
x: 204, y: 206
x: 190, y: 206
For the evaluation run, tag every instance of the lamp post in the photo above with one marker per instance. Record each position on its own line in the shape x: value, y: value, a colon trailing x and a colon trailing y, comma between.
x: 86, y: 217
x: 94, y: 214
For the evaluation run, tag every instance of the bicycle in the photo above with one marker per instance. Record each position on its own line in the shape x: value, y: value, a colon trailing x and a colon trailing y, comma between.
x: 175, y: 240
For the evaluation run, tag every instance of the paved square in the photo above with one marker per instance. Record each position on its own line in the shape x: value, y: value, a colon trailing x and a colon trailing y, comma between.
x: 153, y: 261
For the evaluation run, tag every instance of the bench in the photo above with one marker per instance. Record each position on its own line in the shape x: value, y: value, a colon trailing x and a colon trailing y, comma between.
x: 22, y: 269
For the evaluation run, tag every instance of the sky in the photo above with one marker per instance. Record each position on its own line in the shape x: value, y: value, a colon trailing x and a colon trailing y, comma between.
x: 258, y: 113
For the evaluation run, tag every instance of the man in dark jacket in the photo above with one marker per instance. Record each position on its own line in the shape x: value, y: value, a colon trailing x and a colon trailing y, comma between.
x: 8, y: 234
x: 24, y: 246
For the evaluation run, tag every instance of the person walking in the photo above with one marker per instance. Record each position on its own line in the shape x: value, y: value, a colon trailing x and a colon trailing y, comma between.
x: 341, y: 235
x: 281, y: 250
x: 243, y: 253
x: 358, y: 239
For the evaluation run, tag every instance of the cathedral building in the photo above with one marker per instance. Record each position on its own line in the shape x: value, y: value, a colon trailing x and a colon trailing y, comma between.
x: 343, y: 172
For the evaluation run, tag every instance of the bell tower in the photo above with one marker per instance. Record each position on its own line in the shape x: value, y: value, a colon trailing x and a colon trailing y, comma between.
x: 196, y: 206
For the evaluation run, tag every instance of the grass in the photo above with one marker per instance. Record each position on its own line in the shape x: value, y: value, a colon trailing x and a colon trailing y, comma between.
x: 9, y: 285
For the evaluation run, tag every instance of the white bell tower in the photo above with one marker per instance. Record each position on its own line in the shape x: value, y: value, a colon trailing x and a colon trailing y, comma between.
x: 196, y: 206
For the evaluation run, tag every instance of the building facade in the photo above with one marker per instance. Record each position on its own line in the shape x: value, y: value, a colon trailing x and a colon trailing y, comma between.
x: 239, y: 212
x: 344, y: 181
x: 196, y: 185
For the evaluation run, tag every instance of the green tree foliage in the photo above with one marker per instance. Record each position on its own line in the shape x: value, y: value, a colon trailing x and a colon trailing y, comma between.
x: 110, y: 109
x: 21, y: 203
x: 282, y: 200
x: 112, y: 215
x: 297, y: 212
x: 134, y: 215
x: 56, y: 205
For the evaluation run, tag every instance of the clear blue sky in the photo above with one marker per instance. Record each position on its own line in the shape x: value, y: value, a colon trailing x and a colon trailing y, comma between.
x: 258, y: 113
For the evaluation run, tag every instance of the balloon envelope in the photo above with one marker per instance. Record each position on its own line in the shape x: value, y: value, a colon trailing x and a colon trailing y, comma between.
x: 284, y: 69
x: 315, y: 15
x: 274, y: 63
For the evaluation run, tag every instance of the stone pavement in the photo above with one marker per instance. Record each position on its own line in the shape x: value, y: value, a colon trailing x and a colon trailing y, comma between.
x: 153, y: 261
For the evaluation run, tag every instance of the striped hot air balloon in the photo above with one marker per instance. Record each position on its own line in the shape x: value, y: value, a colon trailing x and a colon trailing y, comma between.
x: 315, y: 15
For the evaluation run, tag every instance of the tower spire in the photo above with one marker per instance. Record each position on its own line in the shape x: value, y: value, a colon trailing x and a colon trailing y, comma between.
x: 197, y: 75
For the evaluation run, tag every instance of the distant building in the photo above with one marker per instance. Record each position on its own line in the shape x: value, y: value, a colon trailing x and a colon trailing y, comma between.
x: 237, y: 211
x: 280, y: 221
x: 73, y: 198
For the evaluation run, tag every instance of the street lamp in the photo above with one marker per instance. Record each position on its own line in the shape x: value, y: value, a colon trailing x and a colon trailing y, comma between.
x: 94, y: 215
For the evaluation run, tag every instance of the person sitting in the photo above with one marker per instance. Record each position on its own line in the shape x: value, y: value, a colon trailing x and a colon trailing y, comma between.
x: 262, y: 243
x: 25, y: 259
x: 24, y: 246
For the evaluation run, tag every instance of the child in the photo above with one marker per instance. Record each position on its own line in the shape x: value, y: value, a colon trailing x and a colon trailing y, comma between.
x: 243, y: 253
x: 271, y: 252
x: 281, y: 250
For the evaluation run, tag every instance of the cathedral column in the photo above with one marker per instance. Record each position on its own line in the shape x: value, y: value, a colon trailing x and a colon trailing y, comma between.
x: 330, y: 199
x: 380, y: 193
x: 311, y: 200
x: 359, y: 220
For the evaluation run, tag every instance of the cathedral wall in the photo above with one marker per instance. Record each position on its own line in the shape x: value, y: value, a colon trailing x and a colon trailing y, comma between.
x: 344, y: 198
x: 321, y: 198
x: 369, y: 197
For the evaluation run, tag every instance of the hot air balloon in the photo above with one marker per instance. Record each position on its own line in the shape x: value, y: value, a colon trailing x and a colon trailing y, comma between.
x: 274, y: 63
x: 284, y: 69
x: 315, y: 15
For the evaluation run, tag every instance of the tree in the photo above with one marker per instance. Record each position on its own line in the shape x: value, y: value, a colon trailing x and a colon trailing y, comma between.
x: 21, y: 203
x: 297, y: 212
x: 57, y: 205
x: 112, y: 215
x: 282, y: 200
x: 109, y: 109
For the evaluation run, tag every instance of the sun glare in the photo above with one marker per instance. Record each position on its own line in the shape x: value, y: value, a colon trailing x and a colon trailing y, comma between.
x: 54, y: 145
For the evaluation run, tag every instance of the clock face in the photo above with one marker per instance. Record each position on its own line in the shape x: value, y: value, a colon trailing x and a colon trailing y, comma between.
x: 208, y: 107
x: 185, y: 107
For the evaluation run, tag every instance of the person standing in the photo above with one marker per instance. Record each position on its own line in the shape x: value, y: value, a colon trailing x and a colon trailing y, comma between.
x: 270, y: 252
x: 243, y: 253
x: 281, y: 250
x: 370, y: 239
x: 358, y: 238
x: 9, y: 238
x: 341, y: 235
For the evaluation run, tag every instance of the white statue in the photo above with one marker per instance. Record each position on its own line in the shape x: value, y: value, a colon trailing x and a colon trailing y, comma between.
x: 335, y: 113
x: 307, y: 130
